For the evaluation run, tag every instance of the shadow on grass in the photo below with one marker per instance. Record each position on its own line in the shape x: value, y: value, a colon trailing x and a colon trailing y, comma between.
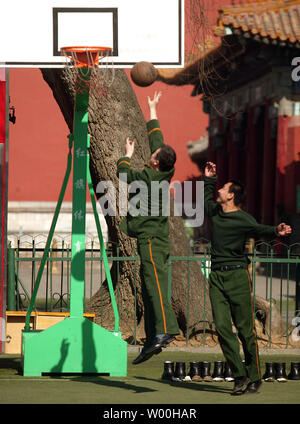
x: 105, y: 382
x: 10, y: 364
x: 200, y: 386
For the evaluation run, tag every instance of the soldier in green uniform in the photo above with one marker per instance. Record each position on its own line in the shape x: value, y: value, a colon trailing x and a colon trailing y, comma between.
x: 152, y: 234
x: 229, y: 281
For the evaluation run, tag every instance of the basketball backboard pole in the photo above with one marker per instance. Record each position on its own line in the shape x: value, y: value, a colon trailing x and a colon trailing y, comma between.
x: 76, y: 345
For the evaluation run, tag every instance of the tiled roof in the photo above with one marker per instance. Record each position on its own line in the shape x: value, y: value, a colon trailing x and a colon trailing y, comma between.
x: 273, y: 19
x: 190, y: 72
x: 204, y: 65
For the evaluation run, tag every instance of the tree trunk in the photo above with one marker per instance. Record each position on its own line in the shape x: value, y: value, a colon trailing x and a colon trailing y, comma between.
x: 271, y: 322
x: 112, y: 118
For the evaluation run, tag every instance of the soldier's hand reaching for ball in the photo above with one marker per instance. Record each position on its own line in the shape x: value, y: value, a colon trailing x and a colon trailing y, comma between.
x: 129, y: 147
x: 210, y: 170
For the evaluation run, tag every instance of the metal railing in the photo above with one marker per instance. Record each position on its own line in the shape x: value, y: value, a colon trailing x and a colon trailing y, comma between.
x: 274, y: 268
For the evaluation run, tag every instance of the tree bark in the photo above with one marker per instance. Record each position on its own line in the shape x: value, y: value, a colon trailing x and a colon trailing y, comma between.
x: 112, y: 118
x: 270, y: 320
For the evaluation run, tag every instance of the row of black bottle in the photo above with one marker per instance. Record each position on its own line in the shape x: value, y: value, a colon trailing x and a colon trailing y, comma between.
x: 276, y: 371
x: 201, y: 371
x: 198, y: 371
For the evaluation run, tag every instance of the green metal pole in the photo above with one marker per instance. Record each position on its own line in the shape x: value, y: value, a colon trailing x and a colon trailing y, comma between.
x: 188, y: 299
x: 287, y: 299
x: 50, y: 235
x: 297, y: 305
x: 134, y: 331
x: 11, y: 295
x: 79, y: 196
x: 271, y: 278
x: 204, y: 302
x: 102, y: 248
x: 169, y: 279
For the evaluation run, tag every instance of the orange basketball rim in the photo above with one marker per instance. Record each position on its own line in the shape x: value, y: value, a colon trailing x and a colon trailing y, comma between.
x: 86, y: 56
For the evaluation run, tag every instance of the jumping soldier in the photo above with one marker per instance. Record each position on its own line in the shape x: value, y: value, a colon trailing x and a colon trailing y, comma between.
x: 152, y: 234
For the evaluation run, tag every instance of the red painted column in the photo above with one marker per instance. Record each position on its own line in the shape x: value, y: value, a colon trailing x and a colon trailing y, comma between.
x: 292, y: 164
x: 282, y: 143
x: 211, y: 153
x: 3, y: 207
x: 222, y: 155
x: 251, y: 165
x: 218, y: 153
x: 233, y: 158
x: 268, y: 206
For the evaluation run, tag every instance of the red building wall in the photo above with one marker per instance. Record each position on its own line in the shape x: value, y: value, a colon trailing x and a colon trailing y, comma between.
x: 38, y: 141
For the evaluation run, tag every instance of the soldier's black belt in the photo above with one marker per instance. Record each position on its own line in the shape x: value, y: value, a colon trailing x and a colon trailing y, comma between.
x: 228, y: 267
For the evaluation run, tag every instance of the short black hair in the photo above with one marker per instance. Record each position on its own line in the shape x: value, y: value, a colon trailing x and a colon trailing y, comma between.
x: 166, y: 157
x: 238, y: 189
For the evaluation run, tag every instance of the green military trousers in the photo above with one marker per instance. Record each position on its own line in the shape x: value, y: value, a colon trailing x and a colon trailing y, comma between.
x: 230, y: 296
x: 158, y: 313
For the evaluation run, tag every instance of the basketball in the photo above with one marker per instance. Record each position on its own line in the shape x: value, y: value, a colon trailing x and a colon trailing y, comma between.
x: 143, y: 74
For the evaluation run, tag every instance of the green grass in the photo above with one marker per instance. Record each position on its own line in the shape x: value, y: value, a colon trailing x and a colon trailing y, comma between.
x: 143, y: 385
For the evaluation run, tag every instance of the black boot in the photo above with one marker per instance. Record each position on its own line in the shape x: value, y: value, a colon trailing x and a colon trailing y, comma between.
x: 280, y: 373
x: 269, y: 375
x: 228, y: 372
x: 168, y: 373
x: 295, y: 371
x: 205, y: 371
x: 179, y: 373
x: 218, y: 373
x: 144, y: 356
x: 158, y: 343
x: 253, y: 387
x: 194, y: 372
x: 240, y: 384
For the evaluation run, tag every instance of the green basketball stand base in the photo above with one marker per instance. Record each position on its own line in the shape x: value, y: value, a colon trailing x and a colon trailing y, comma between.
x: 76, y: 345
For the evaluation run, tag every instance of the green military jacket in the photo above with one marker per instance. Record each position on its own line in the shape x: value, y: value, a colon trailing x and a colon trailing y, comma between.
x: 230, y: 230
x: 145, y: 225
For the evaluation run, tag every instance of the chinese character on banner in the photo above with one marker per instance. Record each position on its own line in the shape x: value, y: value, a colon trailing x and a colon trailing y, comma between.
x: 79, y: 184
x: 78, y: 215
x: 79, y: 153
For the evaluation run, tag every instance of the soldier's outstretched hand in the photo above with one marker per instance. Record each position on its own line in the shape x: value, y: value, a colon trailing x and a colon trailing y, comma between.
x: 129, y: 147
x: 283, y: 229
x: 154, y: 102
x: 210, y: 169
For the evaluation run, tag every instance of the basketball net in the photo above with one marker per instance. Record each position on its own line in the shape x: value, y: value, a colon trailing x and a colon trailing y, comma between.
x: 92, y: 68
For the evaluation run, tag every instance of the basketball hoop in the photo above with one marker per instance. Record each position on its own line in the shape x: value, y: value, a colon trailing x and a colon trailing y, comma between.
x: 92, y: 68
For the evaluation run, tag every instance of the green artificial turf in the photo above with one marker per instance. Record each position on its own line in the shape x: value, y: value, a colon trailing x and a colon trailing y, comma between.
x: 143, y: 385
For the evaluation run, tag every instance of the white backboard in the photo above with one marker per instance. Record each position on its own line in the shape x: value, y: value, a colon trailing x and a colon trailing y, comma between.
x: 32, y: 31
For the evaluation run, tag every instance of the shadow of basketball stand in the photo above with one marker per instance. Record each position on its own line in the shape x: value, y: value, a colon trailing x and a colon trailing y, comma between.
x: 90, y: 348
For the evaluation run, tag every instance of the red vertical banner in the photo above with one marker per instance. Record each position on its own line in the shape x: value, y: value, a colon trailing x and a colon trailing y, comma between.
x: 3, y: 206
